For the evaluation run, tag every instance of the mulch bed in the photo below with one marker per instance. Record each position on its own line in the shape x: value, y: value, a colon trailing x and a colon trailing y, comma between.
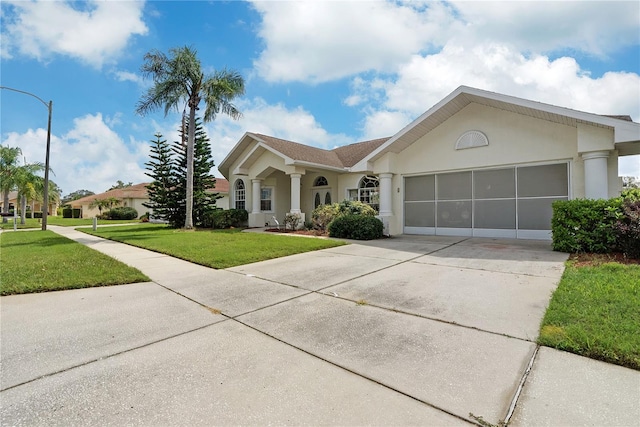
x: 585, y: 259
x: 316, y: 233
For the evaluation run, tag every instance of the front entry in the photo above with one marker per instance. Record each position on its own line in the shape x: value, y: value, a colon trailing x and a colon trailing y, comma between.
x: 321, y: 196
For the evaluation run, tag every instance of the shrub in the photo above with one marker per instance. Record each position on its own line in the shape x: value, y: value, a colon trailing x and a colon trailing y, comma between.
x: 37, y: 214
x: 632, y: 194
x: 585, y: 225
x: 627, y: 228
x: 225, y: 218
x: 324, y: 214
x: 291, y: 221
x: 66, y: 213
x: 358, y: 227
x: 121, y: 213
x: 145, y: 217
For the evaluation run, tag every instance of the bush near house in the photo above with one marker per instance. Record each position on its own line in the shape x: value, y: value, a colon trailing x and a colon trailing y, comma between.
x: 323, y: 215
x: 121, y: 213
x: 358, y: 227
x: 598, y: 226
x: 220, y: 219
x: 71, y: 213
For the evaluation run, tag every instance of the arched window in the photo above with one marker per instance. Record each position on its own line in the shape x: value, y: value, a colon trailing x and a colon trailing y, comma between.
x: 320, y: 181
x: 327, y: 198
x: 239, y: 194
x: 368, y: 191
x: 316, y: 201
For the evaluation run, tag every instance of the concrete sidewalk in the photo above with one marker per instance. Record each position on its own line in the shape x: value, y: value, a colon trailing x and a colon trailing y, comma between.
x: 403, y: 331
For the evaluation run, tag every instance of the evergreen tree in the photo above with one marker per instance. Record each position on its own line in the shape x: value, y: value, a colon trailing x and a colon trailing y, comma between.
x: 161, y: 167
x: 203, y: 201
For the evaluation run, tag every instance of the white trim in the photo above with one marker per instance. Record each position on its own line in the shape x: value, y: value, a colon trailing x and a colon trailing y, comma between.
x: 534, y: 234
x: 426, y: 231
x: 495, y: 232
x: 460, y: 232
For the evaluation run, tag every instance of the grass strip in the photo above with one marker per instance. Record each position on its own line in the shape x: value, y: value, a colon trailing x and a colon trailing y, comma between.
x: 595, y: 312
x: 37, y: 261
x: 64, y: 222
x: 213, y: 248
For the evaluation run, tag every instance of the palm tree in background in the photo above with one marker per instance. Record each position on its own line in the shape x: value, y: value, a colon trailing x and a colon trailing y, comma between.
x: 9, y: 163
x: 179, y: 80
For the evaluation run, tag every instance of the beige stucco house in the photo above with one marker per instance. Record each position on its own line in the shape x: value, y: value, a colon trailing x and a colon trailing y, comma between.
x: 477, y: 163
x: 134, y: 196
x: 32, y: 205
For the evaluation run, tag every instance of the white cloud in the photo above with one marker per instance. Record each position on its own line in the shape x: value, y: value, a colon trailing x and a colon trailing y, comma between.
x: 594, y: 27
x: 94, y: 32
x: 322, y: 41
x: 629, y: 166
x: 90, y: 156
x: 127, y: 76
x: 425, y: 80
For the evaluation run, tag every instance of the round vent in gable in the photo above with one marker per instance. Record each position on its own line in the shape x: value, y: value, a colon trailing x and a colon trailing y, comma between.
x: 470, y: 139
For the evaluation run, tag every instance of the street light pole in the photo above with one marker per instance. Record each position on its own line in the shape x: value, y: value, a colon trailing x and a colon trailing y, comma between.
x: 45, y: 196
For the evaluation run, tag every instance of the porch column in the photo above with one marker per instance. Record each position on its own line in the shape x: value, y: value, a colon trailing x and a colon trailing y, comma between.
x: 295, y: 193
x: 255, y: 196
x: 596, y: 185
x: 385, y: 194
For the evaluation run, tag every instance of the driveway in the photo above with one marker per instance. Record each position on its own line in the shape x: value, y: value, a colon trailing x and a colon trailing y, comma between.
x: 402, y: 331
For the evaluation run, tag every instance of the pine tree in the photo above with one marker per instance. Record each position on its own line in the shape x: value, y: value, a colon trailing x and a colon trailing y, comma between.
x: 203, y: 200
x: 161, y: 169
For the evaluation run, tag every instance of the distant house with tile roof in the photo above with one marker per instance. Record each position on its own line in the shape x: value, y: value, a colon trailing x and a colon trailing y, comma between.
x: 477, y: 163
x: 135, y: 195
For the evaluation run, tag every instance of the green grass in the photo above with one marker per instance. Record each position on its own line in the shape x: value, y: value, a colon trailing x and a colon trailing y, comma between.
x: 37, y: 261
x: 64, y: 222
x: 595, y: 312
x: 213, y: 248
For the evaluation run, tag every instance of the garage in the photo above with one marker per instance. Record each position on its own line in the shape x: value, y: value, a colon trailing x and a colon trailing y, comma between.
x: 511, y: 202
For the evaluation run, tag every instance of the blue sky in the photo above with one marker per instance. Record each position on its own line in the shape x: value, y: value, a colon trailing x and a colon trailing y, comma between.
x: 320, y: 73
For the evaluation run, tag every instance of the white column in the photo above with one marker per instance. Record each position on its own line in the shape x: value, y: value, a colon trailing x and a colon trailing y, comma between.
x: 255, y: 195
x: 596, y: 185
x: 385, y: 194
x: 295, y: 193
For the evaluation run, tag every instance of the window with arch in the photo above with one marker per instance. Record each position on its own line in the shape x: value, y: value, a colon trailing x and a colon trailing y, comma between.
x: 240, y: 194
x: 367, y: 192
x: 320, y: 181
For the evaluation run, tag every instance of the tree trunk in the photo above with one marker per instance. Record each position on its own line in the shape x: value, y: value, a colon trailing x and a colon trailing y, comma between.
x: 5, y: 206
x: 33, y: 207
x: 193, y: 104
x: 23, y: 209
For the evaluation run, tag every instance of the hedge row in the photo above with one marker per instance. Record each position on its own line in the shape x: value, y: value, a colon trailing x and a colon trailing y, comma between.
x: 225, y: 218
x: 120, y: 213
x: 598, y: 226
x: 71, y: 213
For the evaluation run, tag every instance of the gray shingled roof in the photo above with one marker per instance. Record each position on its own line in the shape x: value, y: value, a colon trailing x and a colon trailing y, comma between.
x: 341, y: 157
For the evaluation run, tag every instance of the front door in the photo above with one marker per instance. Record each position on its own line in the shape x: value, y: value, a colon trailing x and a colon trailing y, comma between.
x: 321, y: 196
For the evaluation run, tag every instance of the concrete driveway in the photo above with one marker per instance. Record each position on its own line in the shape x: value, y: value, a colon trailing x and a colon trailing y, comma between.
x: 402, y: 331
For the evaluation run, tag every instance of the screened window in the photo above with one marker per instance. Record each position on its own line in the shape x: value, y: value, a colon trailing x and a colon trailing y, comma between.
x: 266, y: 198
x: 240, y: 194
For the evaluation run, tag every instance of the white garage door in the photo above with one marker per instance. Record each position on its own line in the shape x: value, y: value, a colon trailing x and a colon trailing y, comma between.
x: 506, y: 202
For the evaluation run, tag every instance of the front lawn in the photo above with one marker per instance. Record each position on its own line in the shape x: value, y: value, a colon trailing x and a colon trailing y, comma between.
x: 213, y: 248
x: 37, y: 261
x: 595, y: 312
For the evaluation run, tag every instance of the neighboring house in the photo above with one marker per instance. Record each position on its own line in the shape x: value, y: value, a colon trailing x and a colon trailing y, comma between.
x: 134, y: 196
x: 32, y: 206
x: 477, y: 163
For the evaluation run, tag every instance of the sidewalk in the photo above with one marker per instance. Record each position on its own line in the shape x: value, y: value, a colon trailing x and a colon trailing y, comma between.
x: 402, y: 331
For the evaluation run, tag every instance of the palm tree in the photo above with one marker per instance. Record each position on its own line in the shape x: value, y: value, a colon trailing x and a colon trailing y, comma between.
x: 26, y: 181
x: 179, y: 80
x: 54, y: 194
x: 9, y: 159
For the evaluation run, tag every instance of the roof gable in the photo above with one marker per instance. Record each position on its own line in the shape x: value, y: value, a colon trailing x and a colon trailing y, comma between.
x: 624, y: 130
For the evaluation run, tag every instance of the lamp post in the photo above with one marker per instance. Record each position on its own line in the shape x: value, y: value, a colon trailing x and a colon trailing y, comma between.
x: 45, y: 196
